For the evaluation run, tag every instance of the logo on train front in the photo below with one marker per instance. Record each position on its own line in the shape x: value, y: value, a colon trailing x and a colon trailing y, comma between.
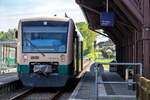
x: 44, y: 23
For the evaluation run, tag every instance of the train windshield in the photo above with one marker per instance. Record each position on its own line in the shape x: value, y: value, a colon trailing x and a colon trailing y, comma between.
x: 45, y: 39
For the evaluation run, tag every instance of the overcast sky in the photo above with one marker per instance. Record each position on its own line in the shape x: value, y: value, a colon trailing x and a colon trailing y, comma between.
x: 13, y: 10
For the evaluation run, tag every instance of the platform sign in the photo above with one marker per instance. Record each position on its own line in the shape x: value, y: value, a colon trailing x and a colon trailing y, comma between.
x: 107, y: 19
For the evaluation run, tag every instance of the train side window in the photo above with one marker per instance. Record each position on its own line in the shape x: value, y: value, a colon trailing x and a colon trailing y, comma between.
x: 75, y: 34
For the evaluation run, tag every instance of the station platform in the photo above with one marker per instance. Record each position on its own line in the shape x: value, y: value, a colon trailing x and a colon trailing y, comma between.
x: 8, y: 78
x: 85, y: 89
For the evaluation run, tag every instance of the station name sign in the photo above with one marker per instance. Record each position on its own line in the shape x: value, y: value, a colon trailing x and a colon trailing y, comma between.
x: 107, y: 19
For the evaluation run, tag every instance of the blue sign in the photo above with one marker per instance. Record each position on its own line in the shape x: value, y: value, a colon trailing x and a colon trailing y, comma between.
x: 107, y: 19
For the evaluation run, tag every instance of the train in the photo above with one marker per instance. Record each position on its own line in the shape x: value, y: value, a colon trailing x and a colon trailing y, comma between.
x: 49, y: 51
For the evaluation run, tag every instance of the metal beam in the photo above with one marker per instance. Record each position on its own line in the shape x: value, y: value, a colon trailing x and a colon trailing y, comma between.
x: 89, y: 8
x: 133, y: 10
x: 127, y: 13
x: 101, y: 33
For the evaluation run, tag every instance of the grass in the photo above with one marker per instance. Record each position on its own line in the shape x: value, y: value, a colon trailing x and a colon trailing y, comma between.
x: 115, y: 99
x: 104, y: 61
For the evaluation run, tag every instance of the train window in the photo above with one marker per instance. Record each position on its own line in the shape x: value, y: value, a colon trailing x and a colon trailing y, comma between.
x: 45, y: 39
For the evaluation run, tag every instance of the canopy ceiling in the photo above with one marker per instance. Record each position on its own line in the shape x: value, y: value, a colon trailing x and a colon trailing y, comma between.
x: 125, y: 20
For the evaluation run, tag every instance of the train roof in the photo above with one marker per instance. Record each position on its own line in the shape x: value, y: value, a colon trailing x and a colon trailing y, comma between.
x: 45, y: 18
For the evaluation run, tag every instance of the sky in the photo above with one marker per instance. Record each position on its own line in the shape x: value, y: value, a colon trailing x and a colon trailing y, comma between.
x: 11, y: 11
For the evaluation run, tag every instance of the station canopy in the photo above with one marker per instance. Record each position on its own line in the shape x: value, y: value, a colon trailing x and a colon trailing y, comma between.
x: 125, y: 17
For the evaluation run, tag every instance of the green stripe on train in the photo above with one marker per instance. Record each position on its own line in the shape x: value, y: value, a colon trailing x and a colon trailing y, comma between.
x: 62, y: 69
x: 23, y: 69
x: 65, y: 69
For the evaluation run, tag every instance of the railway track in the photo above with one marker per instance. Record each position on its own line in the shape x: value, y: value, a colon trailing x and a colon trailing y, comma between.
x: 47, y: 93
x: 21, y: 94
x: 50, y: 93
x: 38, y: 94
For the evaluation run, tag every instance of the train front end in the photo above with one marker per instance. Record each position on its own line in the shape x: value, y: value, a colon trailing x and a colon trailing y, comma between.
x: 44, y: 52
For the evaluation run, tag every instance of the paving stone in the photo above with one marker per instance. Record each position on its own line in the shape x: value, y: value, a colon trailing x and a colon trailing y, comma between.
x: 86, y: 88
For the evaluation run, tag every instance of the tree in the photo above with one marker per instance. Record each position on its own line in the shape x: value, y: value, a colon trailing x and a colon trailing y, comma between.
x: 8, y: 36
x: 88, y: 35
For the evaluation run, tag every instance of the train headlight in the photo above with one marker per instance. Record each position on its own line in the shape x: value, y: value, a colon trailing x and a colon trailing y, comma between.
x: 62, y: 57
x: 25, y: 57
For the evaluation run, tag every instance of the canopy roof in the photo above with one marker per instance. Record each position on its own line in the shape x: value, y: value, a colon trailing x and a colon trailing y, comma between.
x: 127, y: 18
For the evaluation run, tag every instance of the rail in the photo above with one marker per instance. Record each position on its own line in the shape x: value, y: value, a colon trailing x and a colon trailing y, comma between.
x: 19, y: 95
x: 113, y: 82
x: 29, y: 93
x: 8, y: 89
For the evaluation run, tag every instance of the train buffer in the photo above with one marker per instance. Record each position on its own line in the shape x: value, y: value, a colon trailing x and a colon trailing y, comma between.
x: 85, y: 89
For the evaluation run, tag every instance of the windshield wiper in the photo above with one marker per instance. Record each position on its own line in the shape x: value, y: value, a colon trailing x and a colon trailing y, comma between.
x: 35, y: 47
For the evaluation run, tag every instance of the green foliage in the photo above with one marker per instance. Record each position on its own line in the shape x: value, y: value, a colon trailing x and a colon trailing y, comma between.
x: 93, y: 55
x: 89, y: 36
x: 90, y: 55
x: 8, y: 36
x: 104, y: 61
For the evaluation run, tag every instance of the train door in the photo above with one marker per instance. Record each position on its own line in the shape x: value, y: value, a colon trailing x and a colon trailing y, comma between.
x: 81, y: 56
x: 76, y: 53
